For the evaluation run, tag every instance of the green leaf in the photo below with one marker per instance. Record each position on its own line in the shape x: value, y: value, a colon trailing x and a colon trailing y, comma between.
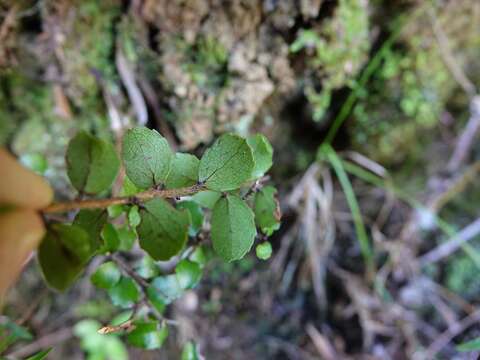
x: 163, y: 230
x: 115, y: 211
x: 184, y: 171
x: 63, y: 254
x: 110, y: 238
x: 267, y: 210
x: 472, y: 345
x: 188, y: 274
x: 199, y: 256
x: 36, y: 162
x: 127, y: 238
x: 233, y: 228
x: 190, y: 352
x: 329, y: 153
x: 227, y: 164
x: 196, y: 215
x: 128, y: 187
x: 134, y: 216
x: 125, y: 293
x: 147, y: 268
x: 10, y: 332
x: 106, y: 276
x: 40, y: 355
x: 99, y: 346
x: 156, y: 298
x: 92, y: 164
x: 264, y: 250
x: 167, y: 288
x: 92, y: 221
x: 148, y: 335
x: 207, y: 198
x: 122, y: 317
x: 262, y: 153
x: 147, y: 157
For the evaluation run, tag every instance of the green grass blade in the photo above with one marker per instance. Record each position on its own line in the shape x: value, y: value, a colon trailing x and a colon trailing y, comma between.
x: 386, y: 183
x: 347, y: 188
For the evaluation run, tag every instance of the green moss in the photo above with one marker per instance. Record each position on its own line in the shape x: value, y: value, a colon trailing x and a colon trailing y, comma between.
x: 89, y: 46
x: 206, y: 63
x: 133, y: 40
x: 400, y: 114
x: 462, y: 276
x: 340, y: 49
x: 406, y: 99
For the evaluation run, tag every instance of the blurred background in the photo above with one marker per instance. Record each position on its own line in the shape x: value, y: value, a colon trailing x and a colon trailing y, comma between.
x: 372, y: 110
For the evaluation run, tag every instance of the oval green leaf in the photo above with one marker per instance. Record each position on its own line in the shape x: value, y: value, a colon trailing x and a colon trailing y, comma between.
x: 106, y: 276
x: 92, y: 221
x: 63, y: 254
x: 134, y: 216
x: 196, y: 215
x: 147, y: 157
x: 167, y: 288
x: 92, y: 164
x: 184, y: 171
x: 125, y: 293
x: 148, y: 335
x: 156, y: 299
x: 227, y: 164
x: 163, y: 230
x: 110, y: 238
x: 190, y: 352
x: 206, y: 199
x: 267, y: 210
x: 233, y: 228
x: 188, y: 274
x: 262, y: 153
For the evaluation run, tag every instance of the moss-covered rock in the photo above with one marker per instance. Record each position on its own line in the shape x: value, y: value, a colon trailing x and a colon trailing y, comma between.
x: 413, y: 89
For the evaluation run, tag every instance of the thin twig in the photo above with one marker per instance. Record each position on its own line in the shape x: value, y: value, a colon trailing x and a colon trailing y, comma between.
x: 122, y: 200
x: 143, y: 284
x: 452, y: 331
x: 42, y: 343
x: 135, y: 95
x: 129, y: 271
x: 323, y: 345
x: 29, y: 312
x: 449, y: 247
x: 466, y: 139
x: 454, y: 187
x: 257, y: 186
x: 151, y: 97
x: 449, y: 59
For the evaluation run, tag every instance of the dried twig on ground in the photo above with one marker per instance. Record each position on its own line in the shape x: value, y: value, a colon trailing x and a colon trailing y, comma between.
x: 42, y: 343
x: 322, y: 344
x: 314, y: 203
x: 134, y: 94
x: 448, y: 57
x: 466, y: 139
x: 453, y: 244
x: 452, y: 331
x: 152, y: 99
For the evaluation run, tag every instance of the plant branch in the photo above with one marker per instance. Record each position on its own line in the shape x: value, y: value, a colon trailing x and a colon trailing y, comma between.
x: 43, y: 342
x: 122, y: 200
x: 449, y: 247
x: 143, y: 285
